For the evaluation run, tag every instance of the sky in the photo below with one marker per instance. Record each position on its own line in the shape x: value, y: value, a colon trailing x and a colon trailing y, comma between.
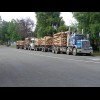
x: 8, y: 16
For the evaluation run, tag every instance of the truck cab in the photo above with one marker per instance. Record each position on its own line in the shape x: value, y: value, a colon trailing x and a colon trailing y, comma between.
x: 80, y: 44
x: 32, y: 44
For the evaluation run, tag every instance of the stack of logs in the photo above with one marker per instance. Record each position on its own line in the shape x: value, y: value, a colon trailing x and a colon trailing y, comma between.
x: 21, y: 42
x: 37, y: 42
x: 60, y: 39
x: 27, y: 41
x: 47, y: 40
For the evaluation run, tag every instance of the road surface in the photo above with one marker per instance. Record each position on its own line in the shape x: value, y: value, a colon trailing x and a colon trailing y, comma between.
x: 23, y: 68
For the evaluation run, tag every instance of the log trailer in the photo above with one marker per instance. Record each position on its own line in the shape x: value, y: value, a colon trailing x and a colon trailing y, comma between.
x: 61, y: 42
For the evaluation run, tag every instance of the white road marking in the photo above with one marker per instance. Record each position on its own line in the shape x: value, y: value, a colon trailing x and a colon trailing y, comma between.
x: 57, y: 57
x: 96, y: 59
x: 84, y: 60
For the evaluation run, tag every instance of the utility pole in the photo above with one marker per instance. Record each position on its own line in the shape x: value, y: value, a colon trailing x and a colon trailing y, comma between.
x: 69, y: 28
x: 82, y: 31
x: 99, y: 41
x: 88, y: 36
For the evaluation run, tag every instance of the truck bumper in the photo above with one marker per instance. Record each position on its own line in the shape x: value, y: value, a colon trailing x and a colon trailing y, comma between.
x: 84, y: 51
x: 32, y: 48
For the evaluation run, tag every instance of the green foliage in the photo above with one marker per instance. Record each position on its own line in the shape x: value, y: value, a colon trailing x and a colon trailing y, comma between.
x: 15, y: 30
x: 46, y: 22
x: 4, y: 32
x: 62, y: 28
x: 90, y: 22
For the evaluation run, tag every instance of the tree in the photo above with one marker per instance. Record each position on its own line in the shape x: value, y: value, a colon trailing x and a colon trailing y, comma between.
x: 90, y: 22
x: 46, y: 22
x: 12, y: 30
x: 0, y: 28
x: 5, y: 25
x: 63, y: 28
x: 25, y: 26
x: 15, y: 29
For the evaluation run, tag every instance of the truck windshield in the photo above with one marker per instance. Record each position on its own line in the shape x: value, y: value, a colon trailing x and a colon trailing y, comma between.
x: 80, y: 37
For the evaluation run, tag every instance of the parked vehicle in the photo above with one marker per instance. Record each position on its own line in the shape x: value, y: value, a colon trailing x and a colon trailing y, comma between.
x: 61, y: 42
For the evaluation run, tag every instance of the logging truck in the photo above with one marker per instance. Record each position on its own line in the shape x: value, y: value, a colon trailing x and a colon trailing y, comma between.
x: 27, y: 44
x: 43, y: 44
x: 61, y: 42
x: 20, y: 44
x: 72, y: 44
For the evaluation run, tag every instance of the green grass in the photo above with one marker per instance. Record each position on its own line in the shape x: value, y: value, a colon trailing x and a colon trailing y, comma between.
x: 96, y: 53
x: 12, y: 46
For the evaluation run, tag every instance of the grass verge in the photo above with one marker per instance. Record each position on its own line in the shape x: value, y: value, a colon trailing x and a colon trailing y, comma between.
x: 96, y: 53
x: 12, y: 46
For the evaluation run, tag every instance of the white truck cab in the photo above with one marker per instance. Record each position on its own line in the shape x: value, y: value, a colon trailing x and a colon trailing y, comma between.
x: 31, y: 47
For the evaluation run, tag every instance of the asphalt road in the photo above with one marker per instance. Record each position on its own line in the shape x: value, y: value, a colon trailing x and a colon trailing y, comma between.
x: 23, y: 68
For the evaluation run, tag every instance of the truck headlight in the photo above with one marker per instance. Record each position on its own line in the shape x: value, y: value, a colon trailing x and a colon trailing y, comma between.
x: 90, y: 48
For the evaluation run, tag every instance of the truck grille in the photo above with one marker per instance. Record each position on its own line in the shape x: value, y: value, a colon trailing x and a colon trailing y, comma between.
x: 85, y: 44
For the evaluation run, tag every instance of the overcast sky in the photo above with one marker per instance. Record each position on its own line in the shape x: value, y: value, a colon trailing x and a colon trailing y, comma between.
x: 7, y: 16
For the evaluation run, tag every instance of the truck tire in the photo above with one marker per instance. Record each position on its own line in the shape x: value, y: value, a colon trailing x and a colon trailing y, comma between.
x: 74, y: 51
x: 45, y: 50
x: 53, y: 51
x: 89, y: 54
x: 17, y: 47
x: 56, y: 51
x: 30, y: 48
x: 67, y: 52
x: 26, y: 48
x: 48, y: 50
x: 35, y: 49
x: 42, y: 49
x: 21, y: 47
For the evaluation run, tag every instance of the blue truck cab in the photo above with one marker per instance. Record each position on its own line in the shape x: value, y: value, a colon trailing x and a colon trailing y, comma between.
x: 80, y: 44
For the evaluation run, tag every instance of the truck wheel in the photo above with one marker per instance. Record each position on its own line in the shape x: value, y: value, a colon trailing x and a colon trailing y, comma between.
x: 37, y: 49
x: 34, y: 49
x: 45, y: 50
x: 89, y: 54
x: 30, y: 48
x: 22, y: 47
x: 74, y: 51
x: 56, y: 51
x: 26, y: 48
x: 48, y: 50
x: 17, y: 47
x: 42, y: 49
x: 67, y: 52
x: 53, y: 51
